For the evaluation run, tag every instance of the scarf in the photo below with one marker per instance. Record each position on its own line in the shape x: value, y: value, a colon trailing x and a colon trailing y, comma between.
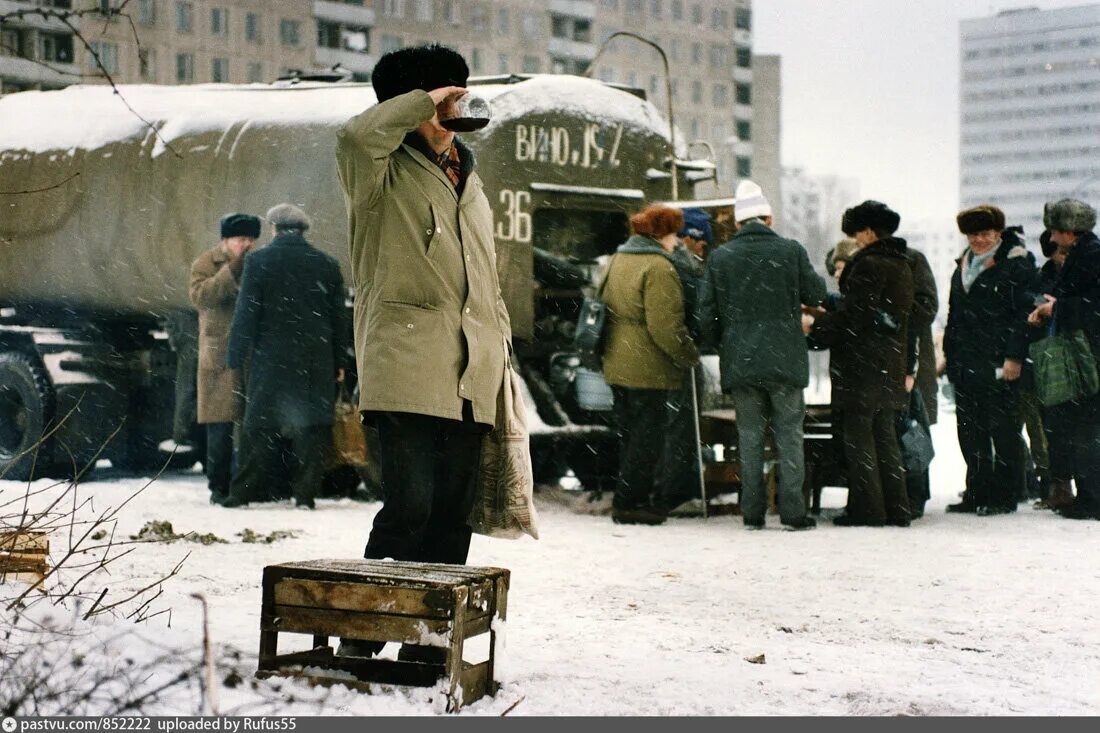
x: 973, y: 266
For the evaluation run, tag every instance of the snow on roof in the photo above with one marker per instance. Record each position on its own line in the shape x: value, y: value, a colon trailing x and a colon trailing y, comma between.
x: 90, y: 117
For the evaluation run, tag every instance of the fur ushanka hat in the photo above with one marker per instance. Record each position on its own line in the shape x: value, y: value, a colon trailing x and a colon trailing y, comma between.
x: 875, y: 215
x: 418, y: 67
x: 1069, y: 215
x: 981, y: 218
x: 239, y: 225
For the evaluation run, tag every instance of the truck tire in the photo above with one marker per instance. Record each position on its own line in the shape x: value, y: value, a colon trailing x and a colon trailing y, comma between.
x: 26, y: 408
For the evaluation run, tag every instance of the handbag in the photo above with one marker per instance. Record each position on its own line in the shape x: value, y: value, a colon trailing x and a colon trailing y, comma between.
x: 1065, y: 368
x: 504, y: 502
x: 589, y: 337
x: 917, y: 450
x: 349, y: 442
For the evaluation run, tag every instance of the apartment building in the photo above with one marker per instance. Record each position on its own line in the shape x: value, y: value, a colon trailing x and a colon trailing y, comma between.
x: 36, y: 52
x: 1030, y: 110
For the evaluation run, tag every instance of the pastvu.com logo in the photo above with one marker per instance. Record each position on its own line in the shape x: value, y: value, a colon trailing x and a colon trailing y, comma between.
x: 8, y: 725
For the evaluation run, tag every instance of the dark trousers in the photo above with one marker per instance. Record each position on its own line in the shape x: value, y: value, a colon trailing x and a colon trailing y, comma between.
x: 679, y: 471
x: 785, y: 409
x: 639, y: 421
x: 429, y: 477
x: 1080, y: 435
x: 1058, y: 423
x: 992, y: 443
x: 268, y: 457
x: 876, y: 476
x: 219, y: 457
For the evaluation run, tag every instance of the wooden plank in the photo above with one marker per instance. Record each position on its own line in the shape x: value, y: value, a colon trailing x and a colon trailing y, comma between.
x: 475, y: 683
x: 364, y: 626
x: 19, y: 562
x: 37, y: 542
x: 378, y: 671
x: 478, y: 625
x: 481, y: 597
x: 503, y: 583
x: 412, y: 573
x: 345, y: 596
x: 454, y: 664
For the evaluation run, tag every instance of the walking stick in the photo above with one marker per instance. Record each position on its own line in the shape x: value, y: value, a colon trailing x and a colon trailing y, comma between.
x: 698, y: 443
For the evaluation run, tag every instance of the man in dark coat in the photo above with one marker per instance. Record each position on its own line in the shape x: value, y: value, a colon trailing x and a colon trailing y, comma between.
x: 985, y: 345
x: 290, y: 330
x: 868, y: 338
x: 753, y: 291
x: 1075, y: 306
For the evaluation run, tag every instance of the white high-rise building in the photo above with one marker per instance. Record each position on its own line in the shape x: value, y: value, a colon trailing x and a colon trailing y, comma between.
x: 940, y: 242
x: 1030, y: 111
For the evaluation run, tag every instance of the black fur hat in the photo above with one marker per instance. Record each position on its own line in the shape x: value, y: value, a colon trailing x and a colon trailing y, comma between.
x: 1069, y: 215
x: 418, y: 67
x: 874, y: 214
x: 980, y: 219
x: 240, y: 225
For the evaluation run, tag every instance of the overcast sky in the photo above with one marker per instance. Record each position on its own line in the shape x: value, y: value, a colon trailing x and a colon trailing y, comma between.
x: 870, y: 90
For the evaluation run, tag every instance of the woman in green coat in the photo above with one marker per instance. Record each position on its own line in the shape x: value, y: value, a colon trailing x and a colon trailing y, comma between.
x: 648, y: 352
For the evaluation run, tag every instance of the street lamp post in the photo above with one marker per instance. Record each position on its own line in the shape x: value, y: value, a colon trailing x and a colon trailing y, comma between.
x: 668, y: 94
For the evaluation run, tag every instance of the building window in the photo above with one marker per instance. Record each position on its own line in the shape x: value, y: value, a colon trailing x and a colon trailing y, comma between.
x: 147, y: 64
x: 697, y: 92
x: 219, y: 21
x: 675, y: 84
x: 59, y: 47
x: 450, y: 12
x: 743, y: 19
x: 185, y: 68
x: 185, y: 17
x: 475, y: 61
x: 655, y: 9
x: 328, y: 34
x: 425, y: 12
x: 531, y: 64
x: 674, y: 49
x: 390, y: 43
x: 290, y: 32
x: 721, y: 95
x: 696, y: 53
x: 634, y: 8
x: 677, y: 9
x: 147, y: 12
x: 744, y: 167
x: 252, y: 28
x: 504, y: 22
x: 107, y: 53
x: 11, y: 43
x: 479, y: 19
x: 695, y: 129
x: 696, y: 15
x: 744, y: 57
x: 393, y: 8
x: 744, y: 94
x: 718, y: 57
x: 502, y: 63
x: 653, y: 86
x: 559, y: 26
x: 219, y: 71
x: 532, y: 26
x: 744, y: 130
x: 255, y: 72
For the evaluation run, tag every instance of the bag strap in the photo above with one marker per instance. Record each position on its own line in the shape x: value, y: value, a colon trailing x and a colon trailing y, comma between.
x: 606, y: 277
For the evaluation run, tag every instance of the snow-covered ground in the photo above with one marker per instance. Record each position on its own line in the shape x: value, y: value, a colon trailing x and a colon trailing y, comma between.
x: 956, y: 615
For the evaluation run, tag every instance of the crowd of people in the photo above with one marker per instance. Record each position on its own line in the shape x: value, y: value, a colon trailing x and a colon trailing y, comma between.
x: 757, y: 301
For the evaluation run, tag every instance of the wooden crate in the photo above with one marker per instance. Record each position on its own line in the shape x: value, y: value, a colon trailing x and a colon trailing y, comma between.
x: 23, y: 557
x: 372, y: 600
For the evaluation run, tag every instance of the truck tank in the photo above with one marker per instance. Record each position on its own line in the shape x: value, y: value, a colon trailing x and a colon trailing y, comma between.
x: 104, y: 209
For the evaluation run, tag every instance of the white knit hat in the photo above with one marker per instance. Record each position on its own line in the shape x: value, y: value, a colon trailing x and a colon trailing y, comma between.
x: 749, y: 202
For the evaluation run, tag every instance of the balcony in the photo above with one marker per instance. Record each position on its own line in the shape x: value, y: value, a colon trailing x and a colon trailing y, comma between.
x: 575, y: 8
x: 33, y: 72
x: 354, y: 15
x: 572, y: 49
x: 31, y: 21
x: 361, y: 63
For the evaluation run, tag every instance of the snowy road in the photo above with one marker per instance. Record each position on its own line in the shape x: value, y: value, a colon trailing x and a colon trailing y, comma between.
x: 956, y: 615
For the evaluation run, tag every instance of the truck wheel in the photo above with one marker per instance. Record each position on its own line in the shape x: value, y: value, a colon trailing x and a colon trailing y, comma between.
x: 26, y: 407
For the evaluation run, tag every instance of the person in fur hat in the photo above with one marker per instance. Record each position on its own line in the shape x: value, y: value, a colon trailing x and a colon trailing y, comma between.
x: 432, y: 335
x: 868, y: 364
x: 985, y: 344
x: 1074, y: 305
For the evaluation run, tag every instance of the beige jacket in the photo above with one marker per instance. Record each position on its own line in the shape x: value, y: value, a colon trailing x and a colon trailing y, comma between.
x: 430, y: 325
x: 214, y: 293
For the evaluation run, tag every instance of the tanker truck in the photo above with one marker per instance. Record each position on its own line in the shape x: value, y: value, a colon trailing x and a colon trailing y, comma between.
x: 107, y: 199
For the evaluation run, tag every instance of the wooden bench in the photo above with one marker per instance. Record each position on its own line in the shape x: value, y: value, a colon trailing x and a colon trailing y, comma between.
x: 23, y: 557
x: 384, y: 601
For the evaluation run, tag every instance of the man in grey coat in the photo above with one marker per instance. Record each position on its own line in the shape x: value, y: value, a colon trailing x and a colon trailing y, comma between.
x: 753, y: 291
